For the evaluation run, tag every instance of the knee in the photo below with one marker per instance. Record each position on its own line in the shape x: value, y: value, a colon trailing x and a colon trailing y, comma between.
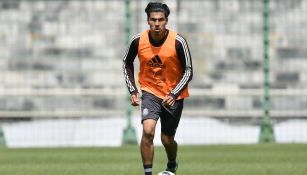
x: 167, y: 140
x: 148, y: 136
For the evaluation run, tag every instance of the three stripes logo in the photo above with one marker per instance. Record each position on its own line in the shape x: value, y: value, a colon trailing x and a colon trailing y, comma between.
x: 155, y: 62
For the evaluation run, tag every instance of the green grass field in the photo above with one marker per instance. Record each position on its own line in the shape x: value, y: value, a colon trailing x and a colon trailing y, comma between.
x: 271, y: 159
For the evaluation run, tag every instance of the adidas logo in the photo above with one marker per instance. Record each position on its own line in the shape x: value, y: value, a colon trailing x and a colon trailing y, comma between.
x: 155, y: 62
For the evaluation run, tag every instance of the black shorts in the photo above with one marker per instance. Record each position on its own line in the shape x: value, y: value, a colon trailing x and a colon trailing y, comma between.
x: 152, y: 108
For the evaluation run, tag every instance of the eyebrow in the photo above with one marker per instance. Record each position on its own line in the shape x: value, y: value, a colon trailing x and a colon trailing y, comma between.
x: 152, y: 18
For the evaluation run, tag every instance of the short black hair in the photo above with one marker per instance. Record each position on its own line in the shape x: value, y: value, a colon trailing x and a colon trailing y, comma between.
x: 157, y: 7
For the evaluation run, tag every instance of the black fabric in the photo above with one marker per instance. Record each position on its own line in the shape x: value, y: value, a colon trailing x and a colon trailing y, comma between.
x: 148, y: 169
x: 128, y: 62
x: 152, y: 108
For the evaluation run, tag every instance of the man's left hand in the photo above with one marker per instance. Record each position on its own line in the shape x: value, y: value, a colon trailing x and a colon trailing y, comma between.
x: 168, y: 100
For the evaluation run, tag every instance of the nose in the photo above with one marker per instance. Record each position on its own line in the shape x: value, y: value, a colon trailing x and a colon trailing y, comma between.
x: 156, y: 22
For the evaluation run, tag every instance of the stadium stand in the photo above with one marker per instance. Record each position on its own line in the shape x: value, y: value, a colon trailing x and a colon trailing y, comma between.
x: 47, y: 45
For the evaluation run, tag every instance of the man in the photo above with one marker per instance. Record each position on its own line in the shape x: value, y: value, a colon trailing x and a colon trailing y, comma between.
x: 164, y: 73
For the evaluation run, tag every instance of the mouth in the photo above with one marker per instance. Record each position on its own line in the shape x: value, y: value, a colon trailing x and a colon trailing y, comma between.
x: 157, y: 30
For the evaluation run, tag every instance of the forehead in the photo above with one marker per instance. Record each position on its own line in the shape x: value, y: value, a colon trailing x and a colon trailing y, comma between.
x: 157, y: 15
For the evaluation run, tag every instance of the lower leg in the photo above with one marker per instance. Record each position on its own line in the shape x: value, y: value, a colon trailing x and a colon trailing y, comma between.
x: 147, y: 146
x: 147, y: 150
x: 170, y: 146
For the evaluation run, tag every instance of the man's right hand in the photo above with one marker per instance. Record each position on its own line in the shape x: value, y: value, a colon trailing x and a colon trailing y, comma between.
x: 135, y: 99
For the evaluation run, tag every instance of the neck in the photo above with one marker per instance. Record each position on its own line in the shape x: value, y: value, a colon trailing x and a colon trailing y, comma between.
x: 157, y: 36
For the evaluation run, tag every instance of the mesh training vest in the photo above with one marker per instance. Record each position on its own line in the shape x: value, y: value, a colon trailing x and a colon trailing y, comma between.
x: 160, y: 68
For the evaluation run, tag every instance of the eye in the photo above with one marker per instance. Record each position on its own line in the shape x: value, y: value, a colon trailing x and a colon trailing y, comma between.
x: 153, y: 20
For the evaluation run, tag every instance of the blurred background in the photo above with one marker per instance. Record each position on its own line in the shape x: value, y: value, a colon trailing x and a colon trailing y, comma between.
x: 61, y: 80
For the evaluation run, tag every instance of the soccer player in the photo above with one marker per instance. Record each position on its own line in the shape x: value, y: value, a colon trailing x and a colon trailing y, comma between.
x: 164, y: 73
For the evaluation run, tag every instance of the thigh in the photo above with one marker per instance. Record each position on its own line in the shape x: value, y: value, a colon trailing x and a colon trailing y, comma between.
x: 170, y: 118
x: 149, y: 127
x: 151, y: 107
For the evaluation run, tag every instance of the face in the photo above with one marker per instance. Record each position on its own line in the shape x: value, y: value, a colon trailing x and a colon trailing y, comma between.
x: 157, y: 22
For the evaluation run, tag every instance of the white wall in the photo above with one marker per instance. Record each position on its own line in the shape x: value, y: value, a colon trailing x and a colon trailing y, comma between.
x: 109, y: 131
